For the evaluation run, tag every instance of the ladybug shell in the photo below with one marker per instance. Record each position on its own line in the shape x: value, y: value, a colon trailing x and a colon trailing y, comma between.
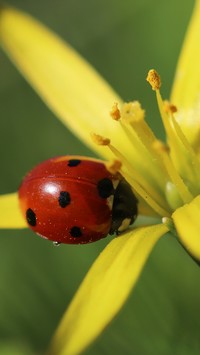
x: 68, y: 199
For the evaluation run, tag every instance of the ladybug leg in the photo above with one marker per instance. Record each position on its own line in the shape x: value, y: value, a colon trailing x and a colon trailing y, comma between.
x: 118, y: 232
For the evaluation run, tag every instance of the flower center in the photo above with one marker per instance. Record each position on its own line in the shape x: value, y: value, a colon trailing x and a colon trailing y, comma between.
x: 165, y: 176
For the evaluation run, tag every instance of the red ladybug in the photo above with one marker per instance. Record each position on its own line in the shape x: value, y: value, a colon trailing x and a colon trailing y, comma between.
x: 75, y: 200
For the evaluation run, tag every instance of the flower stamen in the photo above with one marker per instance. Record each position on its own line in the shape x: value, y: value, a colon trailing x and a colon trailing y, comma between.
x: 133, y: 117
x: 100, y: 140
x: 163, y: 149
x: 113, y: 166
x: 190, y: 165
x: 140, y: 135
x: 115, y: 112
x: 153, y: 79
x: 134, y: 178
x: 169, y: 107
x: 195, y: 164
x: 145, y: 195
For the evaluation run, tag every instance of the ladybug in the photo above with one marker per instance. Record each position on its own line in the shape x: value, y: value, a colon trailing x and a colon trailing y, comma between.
x: 76, y: 200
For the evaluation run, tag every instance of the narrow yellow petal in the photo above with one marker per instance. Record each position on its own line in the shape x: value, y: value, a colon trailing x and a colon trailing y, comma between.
x: 186, y: 89
x: 104, y: 289
x: 187, y: 223
x: 10, y: 215
x: 72, y: 89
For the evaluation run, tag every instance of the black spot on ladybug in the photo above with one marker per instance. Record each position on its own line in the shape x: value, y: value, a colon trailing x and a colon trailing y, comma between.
x: 75, y: 232
x: 64, y: 199
x: 105, y: 188
x: 31, y: 217
x: 73, y: 162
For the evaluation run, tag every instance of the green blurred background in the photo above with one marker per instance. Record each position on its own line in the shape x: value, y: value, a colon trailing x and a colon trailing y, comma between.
x: 122, y: 39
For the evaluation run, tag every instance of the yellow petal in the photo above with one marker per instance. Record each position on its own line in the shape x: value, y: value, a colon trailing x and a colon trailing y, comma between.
x: 187, y: 223
x: 104, y: 289
x: 186, y: 89
x: 72, y: 89
x: 10, y: 215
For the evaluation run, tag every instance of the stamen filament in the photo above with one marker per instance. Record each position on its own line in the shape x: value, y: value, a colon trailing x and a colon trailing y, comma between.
x: 131, y: 134
x: 138, y: 177
x: 174, y: 131
x: 194, y: 160
x: 174, y: 176
x: 164, y: 115
x: 131, y: 119
x: 146, y: 136
x: 132, y: 115
x: 145, y: 195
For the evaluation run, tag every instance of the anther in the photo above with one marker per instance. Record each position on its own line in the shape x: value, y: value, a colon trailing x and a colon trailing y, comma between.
x: 159, y: 146
x: 132, y: 112
x: 153, y: 79
x: 169, y: 108
x: 113, y: 166
x: 100, y: 140
x: 115, y: 112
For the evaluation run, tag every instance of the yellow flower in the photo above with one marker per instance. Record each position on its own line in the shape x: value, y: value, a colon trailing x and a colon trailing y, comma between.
x: 163, y: 175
